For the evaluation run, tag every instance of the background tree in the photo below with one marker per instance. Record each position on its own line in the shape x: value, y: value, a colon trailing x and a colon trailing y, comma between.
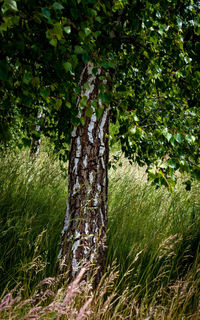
x: 86, y: 62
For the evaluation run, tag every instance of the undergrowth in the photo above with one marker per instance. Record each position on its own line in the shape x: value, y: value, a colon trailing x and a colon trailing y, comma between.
x: 153, y: 260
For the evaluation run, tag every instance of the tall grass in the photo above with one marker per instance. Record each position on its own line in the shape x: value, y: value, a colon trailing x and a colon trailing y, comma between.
x: 32, y: 205
x: 163, y: 229
x: 153, y: 260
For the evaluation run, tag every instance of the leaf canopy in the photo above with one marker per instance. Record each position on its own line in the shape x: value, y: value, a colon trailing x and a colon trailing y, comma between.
x: 152, y: 48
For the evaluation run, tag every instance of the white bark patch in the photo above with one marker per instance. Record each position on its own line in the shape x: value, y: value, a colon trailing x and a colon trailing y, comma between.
x: 96, y: 199
x: 74, y: 249
x: 98, y: 187
x: 37, y: 127
x: 74, y: 132
x: 67, y: 218
x: 91, y: 177
x: 85, y: 162
x: 76, y: 241
x: 92, y: 257
x: 91, y: 126
x: 102, y: 162
x: 96, y: 230
x: 40, y: 115
x: 38, y: 147
x: 91, y: 80
x: 85, y: 250
x: 86, y: 229
x: 105, y: 206
x: 95, y: 236
x: 87, y: 93
x: 78, y: 150
x: 75, y: 169
x: 76, y: 186
x: 102, y: 218
x: 102, y: 124
x: 101, y: 151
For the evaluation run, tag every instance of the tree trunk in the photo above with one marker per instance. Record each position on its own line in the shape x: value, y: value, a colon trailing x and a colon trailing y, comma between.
x: 35, y: 141
x: 85, y: 225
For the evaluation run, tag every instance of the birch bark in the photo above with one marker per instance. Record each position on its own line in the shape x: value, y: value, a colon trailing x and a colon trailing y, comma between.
x: 85, y: 224
x: 36, y: 142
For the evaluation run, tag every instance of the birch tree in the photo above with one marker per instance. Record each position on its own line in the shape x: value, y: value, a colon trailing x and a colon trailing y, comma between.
x: 92, y: 62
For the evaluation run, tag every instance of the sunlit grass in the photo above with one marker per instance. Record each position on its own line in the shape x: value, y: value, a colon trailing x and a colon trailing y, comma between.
x: 153, y: 260
x: 32, y: 205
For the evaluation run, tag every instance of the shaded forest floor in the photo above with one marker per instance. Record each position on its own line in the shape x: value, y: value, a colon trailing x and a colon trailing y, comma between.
x: 153, y: 259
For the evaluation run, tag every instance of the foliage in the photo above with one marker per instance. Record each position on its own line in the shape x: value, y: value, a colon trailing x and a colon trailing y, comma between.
x: 153, y: 246
x: 152, y: 48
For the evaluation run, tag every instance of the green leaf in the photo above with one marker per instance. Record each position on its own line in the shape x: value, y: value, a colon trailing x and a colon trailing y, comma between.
x: 173, y: 141
x: 180, y: 23
x: 105, y: 65
x: 85, y: 58
x: 190, y: 138
x: 44, y: 92
x: 57, y: 31
x: 135, y: 118
x: 58, y: 6
x: 83, y: 101
x: 89, y: 112
x: 133, y: 130
x: 87, y: 31
x: 78, y: 50
x: 67, y: 66
x: 98, y: 19
x: 167, y: 134
x: 11, y: 4
x: 197, y: 30
x: 172, y: 164
x: 196, y: 173
x: 94, y: 104
x: 53, y: 42
x: 95, y: 71
x: 105, y: 97
x: 58, y: 104
x: 111, y: 64
x: 27, y: 78
x: 82, y: 120
x: 86, y: 86
x: 67, y: 29
x: 68, y: 105
x: 46, y: 13
x: 178, y: 137
x: 99, y: 112
x: 164, y: 165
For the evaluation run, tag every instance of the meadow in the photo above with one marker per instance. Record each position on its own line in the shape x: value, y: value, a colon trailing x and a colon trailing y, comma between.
x: 153, y: 261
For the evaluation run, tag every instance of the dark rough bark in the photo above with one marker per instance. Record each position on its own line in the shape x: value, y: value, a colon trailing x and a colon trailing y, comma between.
x: 35, y: 147
x: 85, y: 225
